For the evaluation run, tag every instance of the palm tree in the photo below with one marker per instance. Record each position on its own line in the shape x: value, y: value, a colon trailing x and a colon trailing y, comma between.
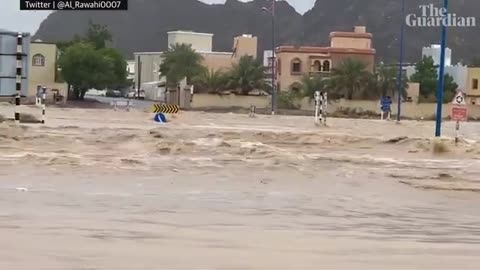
x: 387, y: 81
x: 350, y: 77
x: 248, y: 74
x: 179, y: 62
x: 212, y: 80
x: 311, y: 84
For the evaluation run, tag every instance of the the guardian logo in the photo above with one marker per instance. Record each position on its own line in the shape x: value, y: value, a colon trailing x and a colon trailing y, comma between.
x: 432, y: 16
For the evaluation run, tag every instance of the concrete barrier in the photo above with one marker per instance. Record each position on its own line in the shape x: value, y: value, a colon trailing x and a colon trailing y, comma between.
x: 127, y: 104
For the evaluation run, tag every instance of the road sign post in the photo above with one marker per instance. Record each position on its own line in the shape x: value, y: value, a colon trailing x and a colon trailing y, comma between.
x: 459, y: 112
x: 317, y: 106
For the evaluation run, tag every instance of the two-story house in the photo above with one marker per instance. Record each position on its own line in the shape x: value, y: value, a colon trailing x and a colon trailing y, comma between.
x: 294, y: 62
x: 43, y: 69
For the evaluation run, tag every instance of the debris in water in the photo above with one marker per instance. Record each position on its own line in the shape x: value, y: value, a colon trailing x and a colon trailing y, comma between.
x: 397, y: 139
x: 440, y: 147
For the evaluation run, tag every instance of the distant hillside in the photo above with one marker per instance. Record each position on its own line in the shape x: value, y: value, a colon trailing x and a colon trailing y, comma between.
x: 143, y: 27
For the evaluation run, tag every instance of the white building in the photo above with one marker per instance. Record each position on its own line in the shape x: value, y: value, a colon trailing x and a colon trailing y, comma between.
x: 435, y: 51
x: 147, y: 67
x: 131, y: 70
x: 458, y: 72
x: 268, y: 64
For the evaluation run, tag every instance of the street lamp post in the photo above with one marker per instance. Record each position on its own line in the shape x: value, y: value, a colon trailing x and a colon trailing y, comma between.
x: 274, y: 88
x: 400, y: 71
x: 441, y: 81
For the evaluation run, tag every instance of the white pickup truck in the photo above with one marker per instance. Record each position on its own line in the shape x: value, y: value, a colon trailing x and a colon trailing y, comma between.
x: 135, y: 95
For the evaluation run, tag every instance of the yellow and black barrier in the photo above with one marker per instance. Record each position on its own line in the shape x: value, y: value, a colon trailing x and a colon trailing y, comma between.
x: 165, y: 108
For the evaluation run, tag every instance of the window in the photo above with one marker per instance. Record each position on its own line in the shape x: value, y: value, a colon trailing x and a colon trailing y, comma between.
x: 475, y: 84
x: 279, y: 67
x: 317, y: 66
x: 296, y: 66
x: 38, y: 60
x: 326, y: 66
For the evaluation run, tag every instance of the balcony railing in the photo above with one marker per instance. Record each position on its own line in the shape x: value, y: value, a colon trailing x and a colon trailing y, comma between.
x: 315, y: 72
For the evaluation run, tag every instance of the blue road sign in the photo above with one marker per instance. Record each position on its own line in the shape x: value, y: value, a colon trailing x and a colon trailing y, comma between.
x: 160, y: 118
x: 386, y: 104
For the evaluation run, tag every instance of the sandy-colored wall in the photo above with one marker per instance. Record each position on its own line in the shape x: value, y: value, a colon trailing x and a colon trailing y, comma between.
x: 199, y: 41
x: 473, y: 73
x: 413, y: 91
x: 245, y: 46
x: 368, y: 59
x: 346, y: 42
x: 42, y: 75
x: 217, y: 61
x: 285, y: 77
x: 62, y: 87
x: 226, y: 101
x: 409, y: 109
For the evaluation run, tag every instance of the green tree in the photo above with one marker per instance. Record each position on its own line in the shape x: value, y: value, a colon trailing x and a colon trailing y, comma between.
x: 450, y: 89
x: 98, y: 35
x: 115, y: 58
x: 212, y: 80
x: 84, y: 68
x: 248, y: 74
x: 62, y: 46
x: 427, y: 76
x: 179, y: 62
x: 350, y: 78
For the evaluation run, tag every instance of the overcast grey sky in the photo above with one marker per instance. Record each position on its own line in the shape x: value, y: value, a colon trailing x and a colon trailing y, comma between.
x: 12, y: 18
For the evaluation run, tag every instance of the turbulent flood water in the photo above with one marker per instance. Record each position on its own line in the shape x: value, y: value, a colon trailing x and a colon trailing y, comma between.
x: 101, y: 189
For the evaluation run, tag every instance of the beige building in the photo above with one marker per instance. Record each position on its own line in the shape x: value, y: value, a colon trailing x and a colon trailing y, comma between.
x: 43, y: 69
x: 295, y: 62
x: 473, y: 86
x: 202, y: 42
x: 149, y: 68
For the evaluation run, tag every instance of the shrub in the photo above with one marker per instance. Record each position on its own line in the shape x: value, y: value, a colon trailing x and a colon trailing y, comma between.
x: 288, y: 100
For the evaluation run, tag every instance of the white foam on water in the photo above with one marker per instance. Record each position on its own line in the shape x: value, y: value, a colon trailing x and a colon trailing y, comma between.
x: 208, y: 142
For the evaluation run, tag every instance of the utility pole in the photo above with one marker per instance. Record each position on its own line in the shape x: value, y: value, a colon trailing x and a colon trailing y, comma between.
x: 139, y: 77
x: 271, y: 10
x: 441, y: 81
x: 400, y: 71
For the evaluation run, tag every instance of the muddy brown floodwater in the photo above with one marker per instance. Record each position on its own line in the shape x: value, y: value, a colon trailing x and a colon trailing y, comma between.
x: 97, y: 189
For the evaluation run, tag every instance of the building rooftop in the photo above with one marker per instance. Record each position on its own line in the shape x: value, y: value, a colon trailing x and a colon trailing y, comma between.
x: 12, y: 33
x: 200, y: 52
x: 147, y: 53
x: 219, y: 53
x: 351, y: 35
x: 190, y: 33
x: 324, y: 50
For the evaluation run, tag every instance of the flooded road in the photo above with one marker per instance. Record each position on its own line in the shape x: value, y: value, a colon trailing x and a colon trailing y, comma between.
x: 232, y: 219
x: 225, y: 191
